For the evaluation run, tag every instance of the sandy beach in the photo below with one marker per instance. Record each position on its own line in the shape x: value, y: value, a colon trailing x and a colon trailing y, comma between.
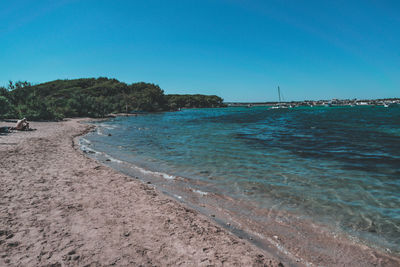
x: 60, y: 208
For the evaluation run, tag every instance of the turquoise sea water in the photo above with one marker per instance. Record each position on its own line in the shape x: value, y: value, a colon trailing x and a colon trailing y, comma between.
x: 337, y: 165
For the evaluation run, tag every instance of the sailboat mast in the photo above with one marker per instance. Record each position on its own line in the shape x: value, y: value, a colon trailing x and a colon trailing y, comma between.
x: 279, y: 94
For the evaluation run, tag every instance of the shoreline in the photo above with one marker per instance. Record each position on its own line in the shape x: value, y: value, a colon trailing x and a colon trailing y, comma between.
x: 60, y: 207
x: 68, y: 209
x: 290, y: 235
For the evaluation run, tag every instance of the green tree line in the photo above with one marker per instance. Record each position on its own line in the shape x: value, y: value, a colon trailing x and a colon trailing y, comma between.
x: 91, y: 97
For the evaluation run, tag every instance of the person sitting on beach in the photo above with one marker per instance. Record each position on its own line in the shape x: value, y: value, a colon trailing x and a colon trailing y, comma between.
x: 22, y: 125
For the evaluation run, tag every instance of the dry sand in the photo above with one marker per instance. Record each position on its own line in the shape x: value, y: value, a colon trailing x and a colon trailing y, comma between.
x: 60, y: 208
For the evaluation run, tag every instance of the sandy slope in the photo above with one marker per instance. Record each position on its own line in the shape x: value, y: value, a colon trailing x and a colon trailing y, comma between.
x: 61, y: 208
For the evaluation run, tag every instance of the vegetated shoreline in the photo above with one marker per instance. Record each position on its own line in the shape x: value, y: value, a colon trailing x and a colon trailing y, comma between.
x: 322, y: 245
x: 92, y: 97
x: 60, y: 207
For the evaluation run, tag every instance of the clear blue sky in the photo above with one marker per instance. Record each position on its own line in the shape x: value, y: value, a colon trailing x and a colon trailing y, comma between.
x: 238, y: 49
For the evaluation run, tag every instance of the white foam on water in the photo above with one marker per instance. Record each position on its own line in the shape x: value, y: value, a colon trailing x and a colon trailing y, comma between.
x: 102, y: 126
x: 99, y: 131
x: 85, y: 148
x: 84, y: 140
x: 177, y: 196
x: 111, y: 158
x: 169, y: 177
x: 160, y: 174
x: 107, y: 126
x: 200, y: 192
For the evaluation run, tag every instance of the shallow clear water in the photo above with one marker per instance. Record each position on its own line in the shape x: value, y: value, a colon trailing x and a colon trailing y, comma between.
x: 339, y: 166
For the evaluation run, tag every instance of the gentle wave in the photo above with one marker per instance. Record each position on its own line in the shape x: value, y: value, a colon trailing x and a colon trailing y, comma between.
x: 154, y: 173
x: 202, y: 193
x: 85, y: 148
x: 339, y: 166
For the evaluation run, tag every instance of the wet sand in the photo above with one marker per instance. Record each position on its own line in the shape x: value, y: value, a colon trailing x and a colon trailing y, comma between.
x: 61, y: 208
x: 292, y: 237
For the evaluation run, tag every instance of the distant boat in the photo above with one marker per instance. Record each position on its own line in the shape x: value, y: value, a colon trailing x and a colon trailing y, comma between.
x: 279, y: 94
x: 279, y: 103
x: 274, y: 107
x: 385, y: 105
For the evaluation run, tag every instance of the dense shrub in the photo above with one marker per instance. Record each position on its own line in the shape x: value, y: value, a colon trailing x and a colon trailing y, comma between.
x: 91, y: 97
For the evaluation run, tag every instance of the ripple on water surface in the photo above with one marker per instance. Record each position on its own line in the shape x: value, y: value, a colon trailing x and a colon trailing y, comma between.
x: 336, y: 165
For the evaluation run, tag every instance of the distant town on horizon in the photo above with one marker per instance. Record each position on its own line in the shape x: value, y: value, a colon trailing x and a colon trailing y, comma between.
x: 333, y: 102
